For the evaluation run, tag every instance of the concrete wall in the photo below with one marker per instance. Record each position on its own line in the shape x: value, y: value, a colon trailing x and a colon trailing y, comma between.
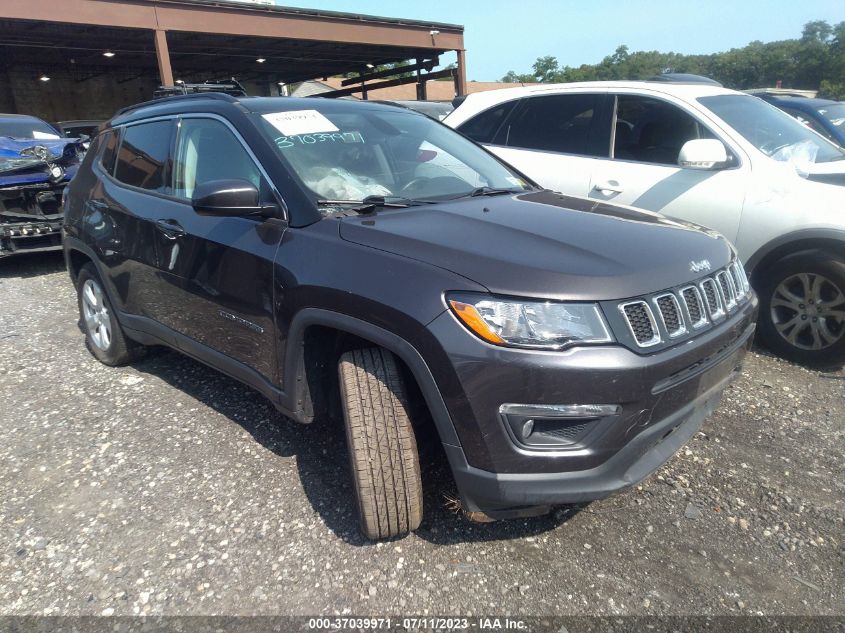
x: 64, y: 98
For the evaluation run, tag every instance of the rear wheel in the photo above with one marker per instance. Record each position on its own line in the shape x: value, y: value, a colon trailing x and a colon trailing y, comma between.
x: 381, y: 443
x: 802, y: 309
x: 103, y: 335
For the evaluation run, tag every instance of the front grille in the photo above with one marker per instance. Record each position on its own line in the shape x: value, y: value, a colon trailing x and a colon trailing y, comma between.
x: 675, y: 313
x: 641, y: 323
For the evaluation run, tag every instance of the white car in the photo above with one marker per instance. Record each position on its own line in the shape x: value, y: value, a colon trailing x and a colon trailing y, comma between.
x: 699, y: 152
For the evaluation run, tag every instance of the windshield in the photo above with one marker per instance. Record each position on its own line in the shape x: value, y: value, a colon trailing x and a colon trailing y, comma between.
x: 835, y: 114
x: 352, y: 154
x: 771, y: 130
x: 27, y: 129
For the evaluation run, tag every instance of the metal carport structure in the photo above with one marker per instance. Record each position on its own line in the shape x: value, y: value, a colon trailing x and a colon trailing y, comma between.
x: 93, y: 48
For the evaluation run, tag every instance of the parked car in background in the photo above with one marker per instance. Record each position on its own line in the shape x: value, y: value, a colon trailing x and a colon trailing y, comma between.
x: 824, y: 116
x: 35, y: 165
x: 316, y: 250
x: 86, y: 129
x: 700, y: 152
x: 437, y: 110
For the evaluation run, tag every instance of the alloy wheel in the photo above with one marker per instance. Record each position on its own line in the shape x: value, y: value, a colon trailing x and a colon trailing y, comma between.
x: 96, y: 315
x: 808, y: 311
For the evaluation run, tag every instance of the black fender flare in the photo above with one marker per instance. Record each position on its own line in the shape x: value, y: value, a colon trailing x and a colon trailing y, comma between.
x: 801, y: 240
x: 379, y: 336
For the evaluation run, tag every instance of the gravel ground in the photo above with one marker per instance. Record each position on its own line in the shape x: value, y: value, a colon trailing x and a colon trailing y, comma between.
x: 167, y: 488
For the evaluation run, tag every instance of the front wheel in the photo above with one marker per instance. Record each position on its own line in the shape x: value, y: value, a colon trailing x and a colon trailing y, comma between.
x: 382, y: 447
x: 802, y: 309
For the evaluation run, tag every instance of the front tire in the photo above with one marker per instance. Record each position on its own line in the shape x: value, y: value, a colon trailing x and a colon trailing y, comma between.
x: 104, y: 337
x: 802, y: 309
x: 382, y: 446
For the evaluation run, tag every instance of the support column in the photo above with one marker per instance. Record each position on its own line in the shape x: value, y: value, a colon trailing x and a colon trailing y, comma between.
x: 461, y: 74
x: 422, y: 92
x: 165, y: 72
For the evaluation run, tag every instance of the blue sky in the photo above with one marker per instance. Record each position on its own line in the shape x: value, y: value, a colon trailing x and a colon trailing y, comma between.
x: 503, y: 35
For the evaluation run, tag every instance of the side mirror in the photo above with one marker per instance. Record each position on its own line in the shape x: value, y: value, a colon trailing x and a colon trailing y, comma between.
x: 226, y: 198
x: 703, y: 153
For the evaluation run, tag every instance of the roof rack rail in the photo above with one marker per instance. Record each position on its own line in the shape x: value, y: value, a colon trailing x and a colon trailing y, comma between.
x: 228, y: 90
x: 684, y: 78
x: 225, y: 86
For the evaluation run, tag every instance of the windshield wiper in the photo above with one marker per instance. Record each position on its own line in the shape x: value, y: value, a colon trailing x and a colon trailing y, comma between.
x: 488, y: 191
x: 371, y: 203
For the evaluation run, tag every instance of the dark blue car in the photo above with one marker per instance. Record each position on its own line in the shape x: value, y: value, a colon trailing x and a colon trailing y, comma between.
x: 36, y: 162
x: 822, y: 115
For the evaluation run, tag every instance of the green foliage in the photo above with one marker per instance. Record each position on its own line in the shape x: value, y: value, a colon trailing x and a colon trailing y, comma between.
x: 816, y: 61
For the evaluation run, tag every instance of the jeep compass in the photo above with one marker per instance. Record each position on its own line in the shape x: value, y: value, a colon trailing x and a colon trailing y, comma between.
x: 366, y: 256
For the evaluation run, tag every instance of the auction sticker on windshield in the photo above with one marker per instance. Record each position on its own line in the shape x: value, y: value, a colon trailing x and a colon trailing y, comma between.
x: 300, y: 122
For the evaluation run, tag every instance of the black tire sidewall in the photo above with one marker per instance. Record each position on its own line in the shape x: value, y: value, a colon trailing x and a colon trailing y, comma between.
x: 825, y: 264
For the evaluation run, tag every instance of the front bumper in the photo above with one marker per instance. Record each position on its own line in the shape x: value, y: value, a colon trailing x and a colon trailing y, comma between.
x: 664, y: 399
x: 30, y: 218
x: 30, y: 237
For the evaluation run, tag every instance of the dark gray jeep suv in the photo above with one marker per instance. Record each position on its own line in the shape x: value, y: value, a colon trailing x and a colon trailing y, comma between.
x: 329, y: 252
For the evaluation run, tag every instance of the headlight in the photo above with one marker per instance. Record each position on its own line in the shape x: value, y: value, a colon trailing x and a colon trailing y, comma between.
x: 532, y: 324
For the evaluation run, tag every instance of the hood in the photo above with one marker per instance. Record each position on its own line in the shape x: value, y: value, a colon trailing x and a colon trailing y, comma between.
x: 23, y: 161
x: 546, y: 245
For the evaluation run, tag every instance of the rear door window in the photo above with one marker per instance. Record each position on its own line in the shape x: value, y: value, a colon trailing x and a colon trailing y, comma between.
x: 143, y: 156
x: 558, y: 123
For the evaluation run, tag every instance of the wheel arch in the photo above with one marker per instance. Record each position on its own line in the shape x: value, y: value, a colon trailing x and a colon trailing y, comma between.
x: 304, y: 356
x: 798, y: 242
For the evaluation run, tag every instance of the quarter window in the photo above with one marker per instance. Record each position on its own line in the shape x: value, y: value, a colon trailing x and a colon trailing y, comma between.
x: 109, y: 150
x: 142, y: 159
x: 207, y: 150
x: 652, y: 131
x: 556, y: 123
x: 483, y: 127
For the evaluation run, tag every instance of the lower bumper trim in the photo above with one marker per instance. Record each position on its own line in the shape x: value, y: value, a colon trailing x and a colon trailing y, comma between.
x: 510, y: 495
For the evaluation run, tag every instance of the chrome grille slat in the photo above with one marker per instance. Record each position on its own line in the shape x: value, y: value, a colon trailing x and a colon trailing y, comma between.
x: 641, y: 323
x: 713, y: 298
x: 727, y: 289
x: 670, y: 314
x: 696, y: 312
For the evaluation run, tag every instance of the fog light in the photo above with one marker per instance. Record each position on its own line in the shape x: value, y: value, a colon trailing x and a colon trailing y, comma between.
x: 527, y: 429
x: 549, y: 426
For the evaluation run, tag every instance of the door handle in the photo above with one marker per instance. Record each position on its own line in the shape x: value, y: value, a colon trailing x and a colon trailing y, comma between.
x: 608, y: 186
x: 171, y: 228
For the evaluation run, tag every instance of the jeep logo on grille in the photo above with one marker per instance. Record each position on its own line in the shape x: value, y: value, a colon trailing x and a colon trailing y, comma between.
x: 698, y: 266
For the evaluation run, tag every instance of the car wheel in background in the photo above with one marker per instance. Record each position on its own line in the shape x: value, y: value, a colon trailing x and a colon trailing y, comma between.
x: 103, y: 335
x: 802, y: 309
x: 381, y: 443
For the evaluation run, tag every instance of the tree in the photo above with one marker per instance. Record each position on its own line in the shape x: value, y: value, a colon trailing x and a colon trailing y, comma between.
x: 815, y: 61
